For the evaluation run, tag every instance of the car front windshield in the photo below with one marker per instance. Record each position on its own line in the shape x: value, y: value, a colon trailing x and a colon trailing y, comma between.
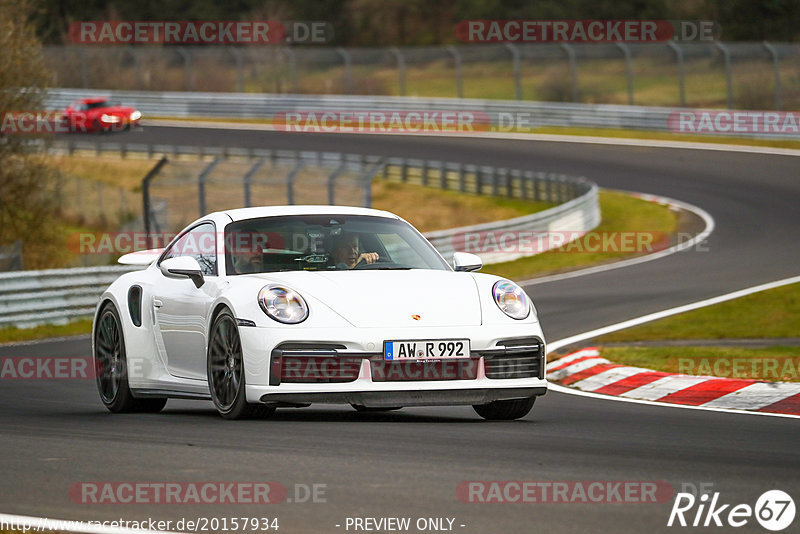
x: 102, y: 104
x: 326, y: 243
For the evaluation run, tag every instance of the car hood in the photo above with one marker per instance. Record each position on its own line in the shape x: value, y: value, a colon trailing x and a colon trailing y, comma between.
x: 382, y: 298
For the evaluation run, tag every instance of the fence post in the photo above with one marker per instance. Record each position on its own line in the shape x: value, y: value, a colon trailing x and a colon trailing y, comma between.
x: 424, y: 176
x: 457, y: 67
x: 776, y: 69
x: 726, y: 54
x: 401, y: 69
x: 681, y: 71
x: 366, y: 180
x: 332, y: 180
x: 100, y: 207
x: 348, y: 75
x: 187, y: 63
x: 628, y: 70
x: 512, y: 174
x: 462, y: 185
x: 573, y: 69
x: 201, y: 184
x: 146, y: 198
x: 290, y: 180
x: 526, y: 181
x: 517, y: 74
x: 247, y: 179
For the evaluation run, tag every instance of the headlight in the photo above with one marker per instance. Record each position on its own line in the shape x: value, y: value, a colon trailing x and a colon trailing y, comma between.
x: 109, y: 118
x: 136, y: 115
x: 282, y: 304
x: 510, y: 298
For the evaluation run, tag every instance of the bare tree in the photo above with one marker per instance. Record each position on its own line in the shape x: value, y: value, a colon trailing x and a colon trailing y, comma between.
x: 27, y: 203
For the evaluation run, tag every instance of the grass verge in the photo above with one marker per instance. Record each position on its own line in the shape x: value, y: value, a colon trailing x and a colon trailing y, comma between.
x: 74, y: 328
x: 621, y: 213
x: 429, y: 209
x: 768, y: 314
x: 776, y: 363
x: 774, y: 313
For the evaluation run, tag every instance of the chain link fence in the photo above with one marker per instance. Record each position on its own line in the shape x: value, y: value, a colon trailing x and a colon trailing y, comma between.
x: 741, y: 75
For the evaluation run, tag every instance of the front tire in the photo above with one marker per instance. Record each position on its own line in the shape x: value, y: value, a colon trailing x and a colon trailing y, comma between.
x: 505, y: 410
x: 111, y: 367
x: 225, y: 372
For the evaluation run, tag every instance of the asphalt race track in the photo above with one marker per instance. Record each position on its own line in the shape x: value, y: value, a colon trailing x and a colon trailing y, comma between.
x: 55, y: 433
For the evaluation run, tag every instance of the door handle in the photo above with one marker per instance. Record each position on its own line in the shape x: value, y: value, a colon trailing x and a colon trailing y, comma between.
x: 157, y: 303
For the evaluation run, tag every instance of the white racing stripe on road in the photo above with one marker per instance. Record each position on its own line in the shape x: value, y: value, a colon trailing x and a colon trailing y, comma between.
x: 607, y: 377
x: 555, y: 345
x: 663, y: 387
x: 755, y: 396
x: 710, y: 406
x: 576, y: 355
x: 575, y: 368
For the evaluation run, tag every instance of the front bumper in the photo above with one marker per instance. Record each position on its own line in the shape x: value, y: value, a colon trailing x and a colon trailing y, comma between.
x: 479, y: 380
x: 402, y: 398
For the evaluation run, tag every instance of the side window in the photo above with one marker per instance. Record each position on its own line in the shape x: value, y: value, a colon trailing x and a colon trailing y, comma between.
x: 200, y: 243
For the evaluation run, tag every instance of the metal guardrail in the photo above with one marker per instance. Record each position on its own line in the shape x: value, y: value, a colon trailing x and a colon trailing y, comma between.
x: 501, y: 115
x: 28, y: 298
x: 266, y: 106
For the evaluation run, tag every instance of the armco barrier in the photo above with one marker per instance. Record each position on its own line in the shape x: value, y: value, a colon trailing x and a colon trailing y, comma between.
x: 265, y: 106
x: 29, y: 298
x: 502, y: 115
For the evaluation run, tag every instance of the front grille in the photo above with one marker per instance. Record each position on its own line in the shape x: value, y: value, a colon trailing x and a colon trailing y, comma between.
x: 515, y: 358
x: 415, y: 371
x: 305, y: 363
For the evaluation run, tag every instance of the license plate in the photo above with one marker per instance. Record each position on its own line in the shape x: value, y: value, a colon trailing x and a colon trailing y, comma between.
x: 425, y: 349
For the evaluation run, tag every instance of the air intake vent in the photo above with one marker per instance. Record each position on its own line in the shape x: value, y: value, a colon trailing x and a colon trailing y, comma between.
x: 304, y: 363
x: 521, y: 358
x: 135, y: 304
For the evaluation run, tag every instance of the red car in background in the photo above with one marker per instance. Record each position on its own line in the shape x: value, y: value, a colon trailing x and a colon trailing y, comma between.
x: 100, y: 115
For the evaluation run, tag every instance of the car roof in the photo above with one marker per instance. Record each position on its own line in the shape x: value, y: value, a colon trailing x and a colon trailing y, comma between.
x: 93, y: 100
x: 277, y: 211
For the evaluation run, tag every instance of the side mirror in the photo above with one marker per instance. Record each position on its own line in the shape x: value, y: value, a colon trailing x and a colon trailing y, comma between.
x: 464, y: 261
x: 183, y: 267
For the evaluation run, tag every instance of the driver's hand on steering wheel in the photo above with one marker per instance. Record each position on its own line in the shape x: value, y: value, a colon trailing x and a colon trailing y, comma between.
x: 367, y: 257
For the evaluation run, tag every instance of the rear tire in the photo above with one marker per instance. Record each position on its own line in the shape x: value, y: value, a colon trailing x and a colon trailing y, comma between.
x: 225, y: 370
x: 505, y: 410
x: 111, y: 367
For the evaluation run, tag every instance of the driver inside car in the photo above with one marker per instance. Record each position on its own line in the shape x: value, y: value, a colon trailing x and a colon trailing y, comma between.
x: 345, y: 253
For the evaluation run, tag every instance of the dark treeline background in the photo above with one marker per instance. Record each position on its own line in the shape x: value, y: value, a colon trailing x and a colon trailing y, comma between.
x: 427, y: 22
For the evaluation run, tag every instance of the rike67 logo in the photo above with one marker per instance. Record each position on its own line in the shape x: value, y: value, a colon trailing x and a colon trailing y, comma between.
x: 774, y: 510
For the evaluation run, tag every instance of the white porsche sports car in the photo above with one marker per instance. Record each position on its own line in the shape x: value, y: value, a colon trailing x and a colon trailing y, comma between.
x: 262, y: 308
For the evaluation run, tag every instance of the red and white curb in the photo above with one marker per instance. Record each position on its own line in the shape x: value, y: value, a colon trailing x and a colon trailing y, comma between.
x: 586, y: 370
